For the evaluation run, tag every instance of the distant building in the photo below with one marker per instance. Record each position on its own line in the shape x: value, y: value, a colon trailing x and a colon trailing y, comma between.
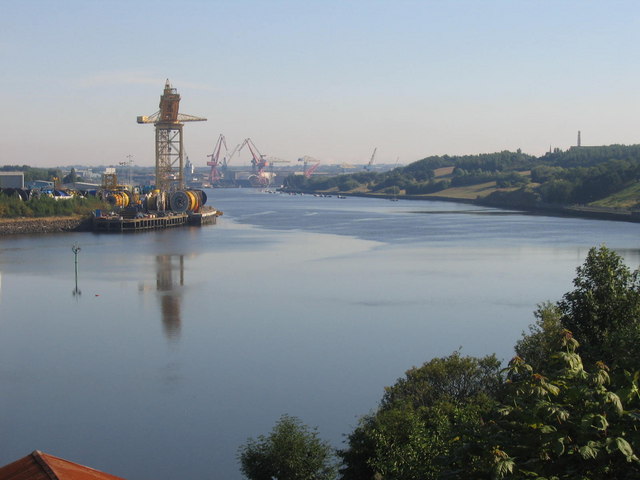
x: 11, y: 180
x: 83, y: 186
x: 41, y: 466
x: 43, y: 184
x: 88, y: 174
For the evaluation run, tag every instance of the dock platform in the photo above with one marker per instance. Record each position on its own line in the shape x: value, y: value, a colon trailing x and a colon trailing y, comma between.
x: 115, y: 223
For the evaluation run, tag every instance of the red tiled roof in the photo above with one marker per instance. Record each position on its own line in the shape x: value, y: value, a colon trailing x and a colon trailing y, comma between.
x: 41, y: 466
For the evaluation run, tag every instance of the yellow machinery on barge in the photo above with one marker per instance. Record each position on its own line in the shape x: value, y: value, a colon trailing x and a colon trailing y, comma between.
x: 170, y: 204
x: 136, y: 212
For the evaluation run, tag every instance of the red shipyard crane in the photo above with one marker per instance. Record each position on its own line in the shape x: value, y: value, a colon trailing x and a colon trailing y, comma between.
x: 259, y: 177
x: 308, y: 170
x: 214, y: 175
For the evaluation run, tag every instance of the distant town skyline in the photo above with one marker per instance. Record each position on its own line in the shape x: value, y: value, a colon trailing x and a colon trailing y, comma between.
x: 332, y: 80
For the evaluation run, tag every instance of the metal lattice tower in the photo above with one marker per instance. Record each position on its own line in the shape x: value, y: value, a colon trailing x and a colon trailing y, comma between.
x: 169, y: 139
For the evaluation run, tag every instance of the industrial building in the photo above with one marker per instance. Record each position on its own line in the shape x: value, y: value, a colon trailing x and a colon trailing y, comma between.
x: 11, y: 180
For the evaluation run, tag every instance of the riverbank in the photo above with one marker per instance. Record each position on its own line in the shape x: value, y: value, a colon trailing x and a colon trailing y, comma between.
x: 580, y: 211
x: 17, y: 226
x: 29, y: 226
x: 78, y: 223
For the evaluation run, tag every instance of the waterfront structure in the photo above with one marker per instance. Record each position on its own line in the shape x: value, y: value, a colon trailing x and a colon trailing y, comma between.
x: 11, y: 180
x: 118, y: 223
x: 169, y: 140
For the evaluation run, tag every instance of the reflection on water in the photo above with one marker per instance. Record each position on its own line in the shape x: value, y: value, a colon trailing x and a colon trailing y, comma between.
x: 169, y: 286
x: 170, y: 296
x: 474, y: 211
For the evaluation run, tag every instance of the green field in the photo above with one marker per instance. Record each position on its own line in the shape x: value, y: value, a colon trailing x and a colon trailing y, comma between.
x: 627, y: 198
x: 470, y: 192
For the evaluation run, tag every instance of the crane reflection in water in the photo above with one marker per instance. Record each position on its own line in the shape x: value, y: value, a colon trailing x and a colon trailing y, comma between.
x: 169, y: 283
x: 170, y: 296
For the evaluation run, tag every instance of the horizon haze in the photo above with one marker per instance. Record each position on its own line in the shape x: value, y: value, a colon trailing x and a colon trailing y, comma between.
x: 332, y: 80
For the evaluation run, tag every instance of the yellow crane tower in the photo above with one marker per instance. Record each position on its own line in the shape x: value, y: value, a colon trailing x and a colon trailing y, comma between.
x: 169, y: 142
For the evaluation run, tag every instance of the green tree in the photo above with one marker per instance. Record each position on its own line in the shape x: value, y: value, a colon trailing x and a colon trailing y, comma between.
x: 557, y: 191
x: 419, y: 417
x: 454, y: 379
x: 603, y: 310
x: 291, y: 451
x: 536, y: 346
x: 71, y: 177
x: 346, y: 183
x: 567, y: 425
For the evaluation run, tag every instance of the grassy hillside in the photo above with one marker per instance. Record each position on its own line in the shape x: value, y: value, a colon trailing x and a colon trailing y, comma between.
x: 604, y: 177
x: 470, y: 192
x: 626, y: 198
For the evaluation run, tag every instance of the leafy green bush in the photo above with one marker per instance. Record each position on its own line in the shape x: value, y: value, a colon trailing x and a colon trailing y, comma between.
x: 292, y: 451
x: 45, y: 206
x: 419, y: 419
x: 427, y: 187
x: 12, y: 206
x: 346, y: 184
x: 570, y: 423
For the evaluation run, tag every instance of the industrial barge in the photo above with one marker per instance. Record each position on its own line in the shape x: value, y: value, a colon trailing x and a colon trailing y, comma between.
x: 133, y: 208
x: 169, y: 203
x: 118, y: 223
x: 135, y: 211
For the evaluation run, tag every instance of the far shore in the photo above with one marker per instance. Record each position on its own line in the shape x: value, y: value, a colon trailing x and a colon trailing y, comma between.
x: 29, y: 225
x: 578, y: 211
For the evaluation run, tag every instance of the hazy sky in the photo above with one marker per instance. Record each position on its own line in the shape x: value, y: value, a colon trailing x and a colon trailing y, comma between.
x: 329, y: 79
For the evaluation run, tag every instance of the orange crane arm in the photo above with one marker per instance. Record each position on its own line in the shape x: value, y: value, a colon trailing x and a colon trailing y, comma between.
x: 259, y: 162
x: 215, y: 156
x: 311, y: 169
x: 168, y: 113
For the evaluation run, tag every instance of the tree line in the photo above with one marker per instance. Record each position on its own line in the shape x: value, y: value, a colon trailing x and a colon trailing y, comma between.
x: 576, y: 176
x: 567, y: 406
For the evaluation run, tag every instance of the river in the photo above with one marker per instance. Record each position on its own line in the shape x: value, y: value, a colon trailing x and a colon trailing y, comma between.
x: 180, y: 344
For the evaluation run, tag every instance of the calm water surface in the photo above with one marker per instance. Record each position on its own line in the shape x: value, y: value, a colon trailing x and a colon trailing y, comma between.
x: 183, y: 343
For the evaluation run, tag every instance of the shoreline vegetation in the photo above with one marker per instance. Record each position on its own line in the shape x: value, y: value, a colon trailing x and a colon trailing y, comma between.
x: 45, y: 214
x: 578, y: 211
x: 600, y: 182
x: 82, y: 223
